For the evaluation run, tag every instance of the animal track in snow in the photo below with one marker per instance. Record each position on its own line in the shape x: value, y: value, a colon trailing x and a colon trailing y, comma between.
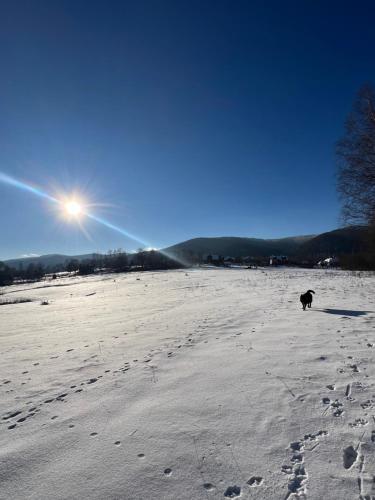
x: 354, y: 368
x: 350, y: 456
x: 358, y: 422
x: 336, y: 406
x: 232, y: 491
x: 12, y: 415
x: 286, y: 469
x: 360, y: 386
x: 255, y: 481
x: 369, y: 403
x: 297, y: 472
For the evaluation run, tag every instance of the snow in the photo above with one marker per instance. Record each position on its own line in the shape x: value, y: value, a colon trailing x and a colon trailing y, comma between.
x: 198, y: 384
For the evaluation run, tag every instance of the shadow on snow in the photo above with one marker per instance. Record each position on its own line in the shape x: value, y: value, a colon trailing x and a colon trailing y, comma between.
x: 344, y: 312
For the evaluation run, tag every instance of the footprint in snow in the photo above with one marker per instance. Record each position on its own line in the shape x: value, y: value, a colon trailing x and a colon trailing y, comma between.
x: 286, y: 469
x: 232, y: 491
x: 255, y: 481
x: 358, y: 422
x: 350, y: 456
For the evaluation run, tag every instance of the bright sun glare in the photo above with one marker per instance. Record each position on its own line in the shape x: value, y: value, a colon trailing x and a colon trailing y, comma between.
x: 73, y: 208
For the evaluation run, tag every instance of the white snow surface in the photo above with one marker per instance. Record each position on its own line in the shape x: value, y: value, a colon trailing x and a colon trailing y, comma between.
x: 198, y: 384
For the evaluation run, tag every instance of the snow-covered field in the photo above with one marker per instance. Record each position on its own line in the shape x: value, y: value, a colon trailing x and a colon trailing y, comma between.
x: 198, y: 384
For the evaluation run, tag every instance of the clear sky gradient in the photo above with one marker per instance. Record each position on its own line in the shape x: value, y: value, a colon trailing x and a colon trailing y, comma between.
x: 178, y: 118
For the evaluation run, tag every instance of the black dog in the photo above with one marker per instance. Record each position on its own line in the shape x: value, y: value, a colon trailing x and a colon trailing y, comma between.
x: 306, y: 299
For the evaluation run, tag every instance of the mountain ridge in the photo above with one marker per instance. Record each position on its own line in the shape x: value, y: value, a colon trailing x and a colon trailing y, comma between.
x: 349, y: 240
x: 46, y: 260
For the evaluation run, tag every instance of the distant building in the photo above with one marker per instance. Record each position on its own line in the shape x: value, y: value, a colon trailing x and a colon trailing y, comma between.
x: 328, y: 262
x: 278, y: 260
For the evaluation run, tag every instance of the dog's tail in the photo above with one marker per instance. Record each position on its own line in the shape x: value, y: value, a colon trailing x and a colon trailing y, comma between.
x: 311, y: 291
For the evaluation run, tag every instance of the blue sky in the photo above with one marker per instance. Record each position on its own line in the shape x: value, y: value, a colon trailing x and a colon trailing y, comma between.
x: 180, y: 119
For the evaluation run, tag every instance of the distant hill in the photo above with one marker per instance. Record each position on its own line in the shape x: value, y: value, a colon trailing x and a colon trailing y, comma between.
x: 45, y: 260
x: 349, y: 240
x: 238, y: 247
x: 345, y: 241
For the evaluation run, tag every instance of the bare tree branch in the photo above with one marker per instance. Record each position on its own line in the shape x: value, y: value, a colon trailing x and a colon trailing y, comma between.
x: 355, y: 154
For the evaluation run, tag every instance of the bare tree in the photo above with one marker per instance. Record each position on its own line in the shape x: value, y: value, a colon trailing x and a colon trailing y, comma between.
x: 356, y: 161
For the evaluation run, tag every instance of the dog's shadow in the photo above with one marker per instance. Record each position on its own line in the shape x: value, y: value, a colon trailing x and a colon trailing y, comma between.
x: 344, y: 312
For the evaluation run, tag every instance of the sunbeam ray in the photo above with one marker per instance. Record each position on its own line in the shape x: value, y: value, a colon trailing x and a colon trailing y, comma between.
x: 6, y: 179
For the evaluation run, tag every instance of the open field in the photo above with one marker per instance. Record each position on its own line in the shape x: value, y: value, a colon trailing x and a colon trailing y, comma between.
x: 189, y: 385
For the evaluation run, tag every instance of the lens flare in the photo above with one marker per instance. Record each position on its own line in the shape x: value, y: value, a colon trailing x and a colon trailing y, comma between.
x: 73, y: 208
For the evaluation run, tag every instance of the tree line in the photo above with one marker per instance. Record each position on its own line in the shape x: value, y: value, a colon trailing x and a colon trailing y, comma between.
x: 114, y: 261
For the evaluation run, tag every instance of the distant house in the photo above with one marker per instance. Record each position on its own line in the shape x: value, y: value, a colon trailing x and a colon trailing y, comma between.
x: 278, y: 260
x: 328, y: 262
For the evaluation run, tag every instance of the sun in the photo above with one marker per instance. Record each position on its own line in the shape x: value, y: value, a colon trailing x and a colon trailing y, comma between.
x: 73, y: 208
